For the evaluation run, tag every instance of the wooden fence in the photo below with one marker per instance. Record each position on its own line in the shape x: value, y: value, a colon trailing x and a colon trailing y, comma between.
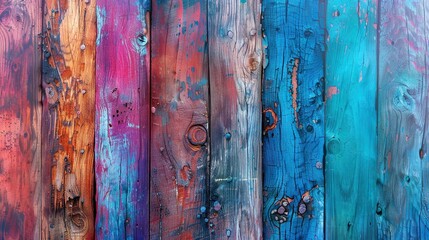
x: 214, y: 119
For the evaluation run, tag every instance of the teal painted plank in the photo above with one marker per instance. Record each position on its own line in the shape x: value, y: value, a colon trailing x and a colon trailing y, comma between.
x: 294, y: 119
x: 351, y: 140
x: 403, y: 111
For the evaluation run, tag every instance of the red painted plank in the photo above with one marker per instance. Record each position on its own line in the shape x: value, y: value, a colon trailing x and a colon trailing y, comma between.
x: 122, y: 120
x: 179, y: 135
x: 235, y: 52
x: 20, y: 137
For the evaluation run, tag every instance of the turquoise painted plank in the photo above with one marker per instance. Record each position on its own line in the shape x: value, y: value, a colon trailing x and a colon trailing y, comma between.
x: 402, y: 207
x: 293, y: 119
x: 351, y: 119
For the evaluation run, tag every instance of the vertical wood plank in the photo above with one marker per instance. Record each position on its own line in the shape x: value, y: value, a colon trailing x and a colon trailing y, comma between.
x: 179, y: 128
x: 402, y: 207
x: 235, y: 51
x: 20, y: 136
x: 68, y: 79
x: 122, y: 119
x: 293, y: 134
x: 351, y: 140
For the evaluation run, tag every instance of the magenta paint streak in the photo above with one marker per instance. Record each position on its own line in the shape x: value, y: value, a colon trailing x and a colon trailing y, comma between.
x: 122, y: 120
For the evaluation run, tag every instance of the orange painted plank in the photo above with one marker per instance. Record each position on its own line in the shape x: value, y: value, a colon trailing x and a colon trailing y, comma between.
x: 20, y: 138
x: 179, y: 130
x: 68, y: 79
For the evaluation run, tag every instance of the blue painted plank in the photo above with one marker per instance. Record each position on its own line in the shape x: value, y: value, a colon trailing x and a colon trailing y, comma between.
x: 293, y: 119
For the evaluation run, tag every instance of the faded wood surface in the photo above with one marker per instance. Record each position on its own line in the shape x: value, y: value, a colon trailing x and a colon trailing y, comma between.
x: 402, y: 206
x: 122, y: 119
x: 20, y: 137
x: 235, y: 53
x: 293, y: 127
x: 68, y: 80
x: 179, y: 128
x: 351, y: 140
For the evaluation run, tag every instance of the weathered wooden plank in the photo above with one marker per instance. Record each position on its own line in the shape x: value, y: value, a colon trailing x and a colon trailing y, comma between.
x: 293, y: 134
x: 351, y: 137
x: 20, y: 138
x: 402, y: 207
x: 122, y: 119
x: 179, y: 130
x: 68, y: 79
x: 235, y: 51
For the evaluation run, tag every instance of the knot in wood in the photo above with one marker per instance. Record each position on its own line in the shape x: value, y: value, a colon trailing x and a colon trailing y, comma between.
x: 197, y: 135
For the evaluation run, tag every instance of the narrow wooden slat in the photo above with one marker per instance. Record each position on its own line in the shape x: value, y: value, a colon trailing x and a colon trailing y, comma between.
x: 122, y: 119
x: 293, y: 119
x: 235, y: 53
x: 20, y: 111
x: 68, y: 80
x: 179, y: 129
x: 351, y: 137
x: 402, y: 207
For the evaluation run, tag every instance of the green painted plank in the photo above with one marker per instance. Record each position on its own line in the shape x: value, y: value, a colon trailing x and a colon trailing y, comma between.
x: 351, y: 140
x: 403, y: 111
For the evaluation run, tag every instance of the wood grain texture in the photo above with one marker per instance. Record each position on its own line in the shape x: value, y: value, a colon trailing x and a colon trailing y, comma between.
x: 402, y: 206
x: 179, y: 128
x: 293, y: 124
x: 68, y: 80
x: 122, y: 119
x: 235, y: 51
x: 351, y: 140
x: 20, y: 119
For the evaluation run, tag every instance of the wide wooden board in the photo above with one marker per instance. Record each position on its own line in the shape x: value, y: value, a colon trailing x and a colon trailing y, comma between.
x: 293, y: 127
x: 68, y: 80
x: 402, y: 176
x: 122, y: 119
x: 235, y: 53
x: 179, y: 127
x: 351, y: 119
x: 20, y: 119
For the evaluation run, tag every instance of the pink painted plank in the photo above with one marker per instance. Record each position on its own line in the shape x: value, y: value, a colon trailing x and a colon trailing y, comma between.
x: 122, y: 119
x: 20, y: 119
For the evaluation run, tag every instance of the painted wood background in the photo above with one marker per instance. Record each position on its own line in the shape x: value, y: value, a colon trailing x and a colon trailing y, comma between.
x: 214, y: 119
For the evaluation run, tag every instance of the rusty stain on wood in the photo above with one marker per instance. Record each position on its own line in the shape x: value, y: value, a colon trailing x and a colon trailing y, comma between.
x: 294, y: 79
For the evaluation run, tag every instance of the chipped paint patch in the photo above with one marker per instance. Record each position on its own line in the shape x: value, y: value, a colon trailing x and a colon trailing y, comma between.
x: 332, y: 91
x: 101, y: 19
